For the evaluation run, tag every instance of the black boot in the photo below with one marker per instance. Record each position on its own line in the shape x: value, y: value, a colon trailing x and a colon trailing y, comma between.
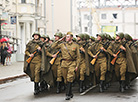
x: 36, y: 88
x: 43, y: 86
x: 101, y: 86
x: 69, y: 91
x: 122, y: 84
x: 104, y: 86
x: 63, y: 86
x: 127, y: 85
x: 81, y: 86
x: 58, y: 87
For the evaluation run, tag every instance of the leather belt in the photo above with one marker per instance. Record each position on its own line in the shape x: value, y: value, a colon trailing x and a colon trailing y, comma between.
x: 69, y: 59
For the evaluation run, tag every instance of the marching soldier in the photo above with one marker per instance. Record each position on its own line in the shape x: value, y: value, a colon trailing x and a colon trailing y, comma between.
x: 56, y: 68
x: 132, y: 59
x: 100, y: 66
x: 120, y: 63
x: 92, y: 39
x: 74, y: 39
x: 70, y: 61
x: 107, y: 39
x: 33, y: 68
x: 51, y: 40
x: 43, y: 38
x: 82, y: 68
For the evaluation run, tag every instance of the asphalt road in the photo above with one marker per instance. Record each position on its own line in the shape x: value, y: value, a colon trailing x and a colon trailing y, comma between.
x: 21, y: 90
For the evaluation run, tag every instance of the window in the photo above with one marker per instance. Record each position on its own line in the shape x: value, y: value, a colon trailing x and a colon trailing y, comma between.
x: 103, y: 16
x: 115, y: 15
x: 23, y: 1
x: 85, y: 16
x: 85, y: 29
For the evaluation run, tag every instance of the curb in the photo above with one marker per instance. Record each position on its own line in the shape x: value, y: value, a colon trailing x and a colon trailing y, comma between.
x: 9, y: 79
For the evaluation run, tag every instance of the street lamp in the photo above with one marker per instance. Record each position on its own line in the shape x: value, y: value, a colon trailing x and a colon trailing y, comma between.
x: 36, y: 27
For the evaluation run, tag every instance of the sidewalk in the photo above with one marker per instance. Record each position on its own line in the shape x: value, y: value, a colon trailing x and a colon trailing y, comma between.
x: 15, y: 70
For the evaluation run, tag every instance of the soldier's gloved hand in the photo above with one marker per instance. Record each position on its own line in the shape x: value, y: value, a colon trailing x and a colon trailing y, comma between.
x: 123, y: 48
x: 76, y: 69
x: 39, y: 48
x: 54, y: 56
x: 114, y: 55
x: 103, y: 49
x: 94, y: 56
x: 31, y: 55
x: 82, y: 49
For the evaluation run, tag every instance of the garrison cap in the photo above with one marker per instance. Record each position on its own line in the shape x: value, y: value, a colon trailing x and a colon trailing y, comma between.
x: 70, y: 33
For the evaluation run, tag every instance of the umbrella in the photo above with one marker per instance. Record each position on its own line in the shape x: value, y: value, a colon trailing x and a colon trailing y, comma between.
x: 4, y: 39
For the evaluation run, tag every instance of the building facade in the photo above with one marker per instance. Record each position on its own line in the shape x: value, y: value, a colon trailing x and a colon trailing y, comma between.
x: 110, y: 20
x: 61, y: 15
x: 20, y: 18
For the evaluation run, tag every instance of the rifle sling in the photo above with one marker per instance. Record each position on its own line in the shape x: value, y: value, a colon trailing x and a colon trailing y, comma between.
x: 68, y: 51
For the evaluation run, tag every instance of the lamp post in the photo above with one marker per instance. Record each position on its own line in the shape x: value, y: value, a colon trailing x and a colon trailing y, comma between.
x: 45, y: 16
x: 36, y: 15
x: 71, y: 19
x: 52, y: 4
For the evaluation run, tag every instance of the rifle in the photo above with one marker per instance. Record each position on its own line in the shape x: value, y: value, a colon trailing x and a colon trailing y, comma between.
x: 114, y: 59
x: 30, y: 58
x: 99, y: 51
x: 53, y: 59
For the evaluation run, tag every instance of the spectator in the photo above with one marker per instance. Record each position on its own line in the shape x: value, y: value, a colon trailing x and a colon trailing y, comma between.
x: 0, y: 51
x: 8, y: 54
x: 4, y: 52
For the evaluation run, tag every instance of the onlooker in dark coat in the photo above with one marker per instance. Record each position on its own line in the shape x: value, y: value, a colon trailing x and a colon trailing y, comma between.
x: 4, y: 53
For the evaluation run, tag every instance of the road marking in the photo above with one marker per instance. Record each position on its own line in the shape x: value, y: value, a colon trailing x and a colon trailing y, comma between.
x: 88, y: 90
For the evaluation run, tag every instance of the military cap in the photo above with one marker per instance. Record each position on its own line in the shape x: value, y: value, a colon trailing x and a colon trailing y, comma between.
x: 113, y: 38
x: 80, y: 35
x: 59, y: 34
x: 101, y: 35
x: 36, y: 33
x: 74, y: 39
x: 128, y: 37
x: 121, y: 35
x: 43, y: 36
x: 47, y: 36
x: 92, y: 38
x: 108, y: 37
x: 86, y: 37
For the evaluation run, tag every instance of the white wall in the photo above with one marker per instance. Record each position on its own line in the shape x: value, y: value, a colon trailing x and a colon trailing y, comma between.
x: 127, y: 20
x: 61, y: 16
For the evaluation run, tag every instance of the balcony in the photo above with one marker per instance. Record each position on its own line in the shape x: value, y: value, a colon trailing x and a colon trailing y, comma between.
x: 27, y: 8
